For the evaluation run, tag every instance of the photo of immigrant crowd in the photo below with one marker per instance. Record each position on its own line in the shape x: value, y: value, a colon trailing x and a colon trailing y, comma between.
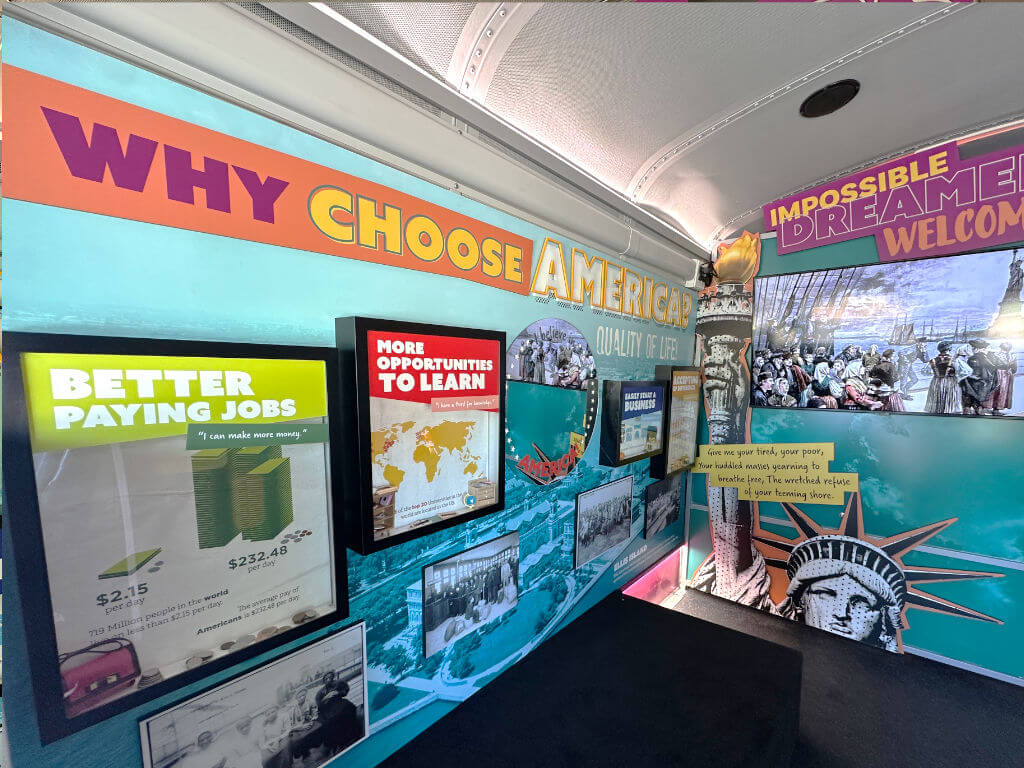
x: 466, y: 591
x: 664, y: 504
x: 551, y: 352
x: 935, y: 336
x: 603, y: 518
x: 297, y: 712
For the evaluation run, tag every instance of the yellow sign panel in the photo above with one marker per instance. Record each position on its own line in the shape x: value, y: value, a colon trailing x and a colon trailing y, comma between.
x: 76, y: 400
x: 790, y: 472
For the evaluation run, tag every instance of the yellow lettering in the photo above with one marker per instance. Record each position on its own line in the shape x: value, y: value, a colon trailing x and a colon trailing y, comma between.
x: 550, y: 274
x: 587, y: 278
x: 424, y: 238
x: 371, y: 226
x: 323, y: 204
x: 491, y: 251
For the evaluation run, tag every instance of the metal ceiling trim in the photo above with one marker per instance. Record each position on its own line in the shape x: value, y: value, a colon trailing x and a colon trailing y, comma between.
x: 485, y: 39
x: 656, y: 164
x: 357, y: 43
x: 462, y: 54
x: 976, y: 131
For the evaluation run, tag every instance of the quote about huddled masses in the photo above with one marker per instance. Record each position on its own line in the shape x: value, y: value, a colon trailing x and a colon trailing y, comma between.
x: 783, y: 472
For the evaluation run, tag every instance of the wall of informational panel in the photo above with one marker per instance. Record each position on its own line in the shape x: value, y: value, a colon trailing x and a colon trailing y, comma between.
x: 299, y: 450
x: 859, y: 401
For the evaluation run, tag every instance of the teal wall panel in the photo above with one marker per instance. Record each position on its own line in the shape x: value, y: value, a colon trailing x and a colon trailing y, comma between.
x: 82, y: 273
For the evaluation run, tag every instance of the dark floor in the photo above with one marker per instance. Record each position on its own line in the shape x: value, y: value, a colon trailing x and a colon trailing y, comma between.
x: 866, y: 708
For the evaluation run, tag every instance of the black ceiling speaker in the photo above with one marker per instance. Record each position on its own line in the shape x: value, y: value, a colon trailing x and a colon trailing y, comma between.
x: 830, y: 98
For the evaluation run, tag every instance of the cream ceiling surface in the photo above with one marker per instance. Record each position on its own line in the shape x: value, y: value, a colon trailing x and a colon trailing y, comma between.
x: 691, y: 110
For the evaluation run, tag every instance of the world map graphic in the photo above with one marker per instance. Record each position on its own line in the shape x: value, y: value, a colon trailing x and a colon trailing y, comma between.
x: 429, y: 457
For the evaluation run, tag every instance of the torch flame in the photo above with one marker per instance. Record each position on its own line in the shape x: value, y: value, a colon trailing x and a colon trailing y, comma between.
x: 738, y: 261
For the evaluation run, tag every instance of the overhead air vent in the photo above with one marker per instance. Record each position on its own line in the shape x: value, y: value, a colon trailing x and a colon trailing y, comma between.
x: 830, y: 98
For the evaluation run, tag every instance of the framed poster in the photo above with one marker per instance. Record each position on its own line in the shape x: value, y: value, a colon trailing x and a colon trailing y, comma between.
x: 681, y: 415
x: 467, y: 591
x: 942, y: 336
x: 171, y: 511
x: 300, y: 710
x: 604, y: 517
x: 632, y: 421
x: 664, y: 504
x: 424, y: 413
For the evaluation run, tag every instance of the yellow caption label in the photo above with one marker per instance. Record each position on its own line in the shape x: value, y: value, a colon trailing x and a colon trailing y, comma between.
x: 791, y: 472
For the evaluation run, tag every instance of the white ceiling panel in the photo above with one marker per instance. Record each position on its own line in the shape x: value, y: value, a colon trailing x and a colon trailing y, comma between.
x: 425, y: 33
x: 690, y: 110
x: 933, y: 84
x: 610, y: 85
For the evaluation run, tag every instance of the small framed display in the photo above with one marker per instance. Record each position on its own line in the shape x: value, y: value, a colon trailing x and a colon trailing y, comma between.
x: 681, y: 412
x: 467, y: 591
x: 604, y: 517
x: 632, y: 421
x: 424, y: 412
x: 171, y: 511
x: 302, y: 709
x: 664, y: 504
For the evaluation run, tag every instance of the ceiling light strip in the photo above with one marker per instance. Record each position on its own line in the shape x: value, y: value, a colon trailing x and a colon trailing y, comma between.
x: 651, y: 170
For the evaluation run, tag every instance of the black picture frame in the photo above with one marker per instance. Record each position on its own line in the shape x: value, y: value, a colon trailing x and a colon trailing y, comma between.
x: 256, y: 670
x: 423, y: 582
x: 27, y: 533
x: 658, y: 487
x: 611, y: 421
x: 659, y: 463
x: 576, y: 517
x: 353, y: 361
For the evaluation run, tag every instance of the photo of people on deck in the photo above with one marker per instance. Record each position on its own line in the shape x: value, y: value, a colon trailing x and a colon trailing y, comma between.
x: 936, y: 336
x: 551, y: 352
x: 468, y: 590
x: 604, y: 517
x: 298, y: 712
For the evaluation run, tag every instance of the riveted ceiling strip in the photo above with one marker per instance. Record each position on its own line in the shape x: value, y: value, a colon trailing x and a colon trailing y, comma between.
x: 656, y: 164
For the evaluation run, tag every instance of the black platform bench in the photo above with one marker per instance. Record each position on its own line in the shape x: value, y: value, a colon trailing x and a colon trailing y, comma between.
x: 627, y: 684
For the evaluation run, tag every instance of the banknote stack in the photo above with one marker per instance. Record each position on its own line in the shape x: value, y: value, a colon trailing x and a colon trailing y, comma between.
x: 242, y: 461
x: 211, y: 480
x: 264, y: 500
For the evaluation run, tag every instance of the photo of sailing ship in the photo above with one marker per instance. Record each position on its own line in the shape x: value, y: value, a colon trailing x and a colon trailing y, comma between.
x: 938, y: 336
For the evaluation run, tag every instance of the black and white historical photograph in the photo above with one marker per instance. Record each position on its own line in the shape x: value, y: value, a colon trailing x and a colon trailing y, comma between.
x: 664, y: 504
x: 603, y: 518
x: 297, y: 712
x: 939, y: 336
x: 552, y: 352
x: 469, y: 590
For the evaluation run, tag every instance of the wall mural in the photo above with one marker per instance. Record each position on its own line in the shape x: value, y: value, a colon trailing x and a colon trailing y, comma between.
x: 576, y: 312
x: 842, y: 580
x: 938, y: 336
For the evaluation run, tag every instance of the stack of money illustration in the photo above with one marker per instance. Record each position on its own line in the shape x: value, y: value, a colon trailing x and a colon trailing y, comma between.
x: 264, y: 500
x: 211, y: 480
x: 241, y: 462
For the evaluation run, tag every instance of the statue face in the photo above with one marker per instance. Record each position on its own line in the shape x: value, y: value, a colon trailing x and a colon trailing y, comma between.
x: 843, y: 606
